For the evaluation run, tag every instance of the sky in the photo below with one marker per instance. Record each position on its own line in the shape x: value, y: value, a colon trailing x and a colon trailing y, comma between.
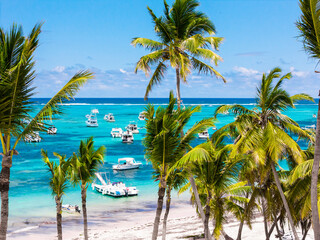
x: 96, y: 34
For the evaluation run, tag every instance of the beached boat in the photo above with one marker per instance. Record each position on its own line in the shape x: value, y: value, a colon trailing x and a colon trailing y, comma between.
x: 70, y: 209
x: 34, y: 137
x: 133, y: 127
x: 115, y: 189
x: 142, y: 116
x: 203, y: 135
x: 52, y: 130
x: 116, y: 132
x: 109, y: 117
x: 127, y: 137
x: 126, y: 164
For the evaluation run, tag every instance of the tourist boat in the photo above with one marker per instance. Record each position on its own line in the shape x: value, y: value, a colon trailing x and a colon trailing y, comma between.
x: 142, y: 116
x: 92, y: 122
x: 126, y: 164
x: 203, y: 135
x: 127, y: 137
x: 70, y: 209
x: 132, y: 127
x: 115, y: 189
x: 34, y: 137
x: 109, y: 117
x: 116, y: 132
x: 52, y: 130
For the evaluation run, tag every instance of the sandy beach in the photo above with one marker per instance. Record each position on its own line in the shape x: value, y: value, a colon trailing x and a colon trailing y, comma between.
x: 136, y: 224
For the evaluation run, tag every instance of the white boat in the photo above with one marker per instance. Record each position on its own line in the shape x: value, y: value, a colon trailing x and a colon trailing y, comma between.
x: 126, y: 164
x: 225, y: 112
x: 133, y: 127
x: 52, y: 130
x: 70, y: 209
x: 142, y: 116
x: 214, y: 128
x: 308, y: 127
x: 127, y: 137
x: 95, y: 111
x: 115, y: 189
x: 314, y: 115
x: 203, y: 135
x: 92, y: 122
x: 34, y: 137
x: 116, y: 132
x: 109, y: 117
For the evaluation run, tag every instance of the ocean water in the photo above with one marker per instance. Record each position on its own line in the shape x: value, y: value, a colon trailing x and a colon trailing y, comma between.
x: 30, y: 196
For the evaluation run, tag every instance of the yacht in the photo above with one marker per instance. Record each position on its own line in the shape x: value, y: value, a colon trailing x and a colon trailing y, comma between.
x: 52, y: 130
x: 126, y: 164
x: 109, y: 117
x: 142, y: 116
x: 34, y: 137
x: 115, y: 189
x: 116, y: 132
x: 127, y: 137
x: 92, y: 122
x: 203, y: 135
x: 132, y: 127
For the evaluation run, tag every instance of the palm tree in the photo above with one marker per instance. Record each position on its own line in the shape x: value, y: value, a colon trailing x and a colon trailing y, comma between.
x: 82, y: 171
x: 263, y: 131
x: 58, y: 183
x: 185, y: 37
x: 17, y: 75
x: 309, y: 27
x: 164, y: 143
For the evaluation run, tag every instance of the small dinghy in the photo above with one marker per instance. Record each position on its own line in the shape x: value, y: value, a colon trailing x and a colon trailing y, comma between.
x: 71, y: 209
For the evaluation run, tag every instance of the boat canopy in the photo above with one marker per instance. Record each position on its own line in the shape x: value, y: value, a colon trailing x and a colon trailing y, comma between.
x: 95, y: 111
x: 126, y: 160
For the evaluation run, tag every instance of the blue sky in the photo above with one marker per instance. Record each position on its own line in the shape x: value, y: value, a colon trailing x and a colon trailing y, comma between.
x: 96, y: 35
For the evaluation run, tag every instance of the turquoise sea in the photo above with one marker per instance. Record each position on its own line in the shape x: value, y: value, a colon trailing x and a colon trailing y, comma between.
x: 30, y: 196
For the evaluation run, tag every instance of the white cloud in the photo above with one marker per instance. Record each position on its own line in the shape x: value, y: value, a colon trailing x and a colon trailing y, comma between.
x: 246, y: 72
x: 59, y: 69
x: 123, y: 71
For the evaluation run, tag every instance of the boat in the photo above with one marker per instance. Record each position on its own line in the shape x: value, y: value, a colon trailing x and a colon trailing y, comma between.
x: 309, y: 127
x: 92, y: 122
x: 203, y: 135
x: 70, y: 209
x: 109, y: 117
x: 115, y: 189
x: 126, y: 164
x: 133, y: 127
x: 214, y: 128
x: 314, y: 115
x: 34, y: 137
x: 95, y: 111
x: 127, y: 137
x: 226, y: 112
x: 52, y: 130
x: 116, y: 132
x: 142, y: 116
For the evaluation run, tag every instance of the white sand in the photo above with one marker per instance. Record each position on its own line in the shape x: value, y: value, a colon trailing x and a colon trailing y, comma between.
x: 135, y: 225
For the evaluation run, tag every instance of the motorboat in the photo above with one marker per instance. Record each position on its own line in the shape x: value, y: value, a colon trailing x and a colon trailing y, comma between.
x: 314, y: 115
x: 109, y: 117
x: 142, y: 116
x: 203, y: 135
x: 214, y: 128
x: 52, y: 130
x: 309, y: 127
x: 95, y: 111
x: 126, y: 164
x: 116, y: 132
x: 225, y: 112
x: 113, y: 189
x: 127, y: 137
x: 133, y: 127
x: 70, y: 208
x: 33, y: 137
x: 92, y: 122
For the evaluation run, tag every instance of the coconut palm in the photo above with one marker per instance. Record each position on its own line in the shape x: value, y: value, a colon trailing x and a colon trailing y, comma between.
x: 309, y: 27
x: 185, y: 40
x: 58, y: 183
x: 164, y: 143
x: 17, y: 76
x: 264, y: 130
x: 83, y: 167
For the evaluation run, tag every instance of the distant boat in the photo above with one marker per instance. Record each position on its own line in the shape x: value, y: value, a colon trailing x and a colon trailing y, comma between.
x: 204, y: 135
x: 142, y: 116
x: 92, y: 120
x: 133, y: 127
x: 126, y: 164
x: 314, y: 115
x: 214, y: 128
x: 52, y: 130
x: 109, y: 117
x: 34, y: 137
x: 116, y: 132
x: 308, y: 127
x: 127, y: 137
x: 95, y: 111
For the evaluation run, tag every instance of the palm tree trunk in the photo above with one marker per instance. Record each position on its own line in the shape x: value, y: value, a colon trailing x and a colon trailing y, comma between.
x: 264, y: 217
x: 4, y: 188
x: 59, y: 217
x: 178, y: 87
x: 198, y: 203
x: 166, y: 214
x: 240, y: 229
x: 84, y: 210
x: 207, y: 216
x: 314, y: 181
x: 284, y: 200
x: 161, y: 192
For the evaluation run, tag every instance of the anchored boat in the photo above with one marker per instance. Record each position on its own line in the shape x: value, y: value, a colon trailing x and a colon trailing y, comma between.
x: 109, y: 117
x: 203, y: 135
x: 126, y: 164
x: 133, y: 127
x: 116, y: 132
x: 127, y: 137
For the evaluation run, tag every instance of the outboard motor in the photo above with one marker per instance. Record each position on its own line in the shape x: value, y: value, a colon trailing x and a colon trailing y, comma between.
x: 76, y: 207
